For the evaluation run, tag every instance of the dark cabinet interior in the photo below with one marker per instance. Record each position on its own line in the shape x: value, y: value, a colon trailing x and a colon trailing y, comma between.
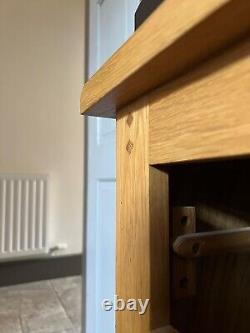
x: 220, y: 193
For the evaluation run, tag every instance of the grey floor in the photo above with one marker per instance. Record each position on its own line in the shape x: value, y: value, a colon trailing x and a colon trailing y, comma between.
x: 42, y: 307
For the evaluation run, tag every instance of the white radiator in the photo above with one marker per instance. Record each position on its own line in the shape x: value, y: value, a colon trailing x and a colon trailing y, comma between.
x: 23, y: 215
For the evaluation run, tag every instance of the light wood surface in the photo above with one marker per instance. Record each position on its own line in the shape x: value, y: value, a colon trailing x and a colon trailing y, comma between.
x: 142, y: 266
x: 183, y: 270
x: 177, y: 36
x: 213, y: 242
x: 132, y: 229
x: 219, y: 219
x: 159, y: 248
x: 205, y: 114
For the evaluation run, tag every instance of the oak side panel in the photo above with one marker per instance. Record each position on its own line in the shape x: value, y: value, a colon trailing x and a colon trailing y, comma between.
x: 159, y: 248
x: 142, y: 225
x: 205, y: 114
x: 132, y: 236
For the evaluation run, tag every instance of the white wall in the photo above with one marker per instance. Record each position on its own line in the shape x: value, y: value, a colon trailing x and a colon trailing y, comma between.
x: 41, y: 130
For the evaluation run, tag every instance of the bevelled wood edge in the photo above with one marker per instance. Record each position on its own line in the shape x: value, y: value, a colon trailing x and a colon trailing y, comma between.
x: 178, y: 36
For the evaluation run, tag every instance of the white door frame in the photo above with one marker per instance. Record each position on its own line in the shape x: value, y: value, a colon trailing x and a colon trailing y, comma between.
x: 91, y: 123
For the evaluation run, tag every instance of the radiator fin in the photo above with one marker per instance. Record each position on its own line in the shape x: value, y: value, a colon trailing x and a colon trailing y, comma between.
x: 23, y: 215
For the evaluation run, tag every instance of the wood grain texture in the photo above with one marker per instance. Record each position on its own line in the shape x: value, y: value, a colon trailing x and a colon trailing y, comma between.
x: 211, y: 243
x: 183, y: 271
x: 159, y: 248
x: 218, y: 219
x: 142, y: 225
x: 179, y: 35
x: 205, y: 114
x: 132, y: 235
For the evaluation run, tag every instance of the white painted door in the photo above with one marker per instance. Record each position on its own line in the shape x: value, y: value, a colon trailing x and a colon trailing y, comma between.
x: 111, y: 22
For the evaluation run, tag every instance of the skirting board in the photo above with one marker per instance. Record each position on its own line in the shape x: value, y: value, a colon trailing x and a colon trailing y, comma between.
x: 25, y: 271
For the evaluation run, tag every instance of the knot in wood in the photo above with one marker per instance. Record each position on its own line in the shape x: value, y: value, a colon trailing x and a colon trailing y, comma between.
x: 129, y: 147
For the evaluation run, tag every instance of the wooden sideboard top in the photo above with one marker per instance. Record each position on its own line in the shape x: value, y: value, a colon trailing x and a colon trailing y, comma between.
x: 179, y: 35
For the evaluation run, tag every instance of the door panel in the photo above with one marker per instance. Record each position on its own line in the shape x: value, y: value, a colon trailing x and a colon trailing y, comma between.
x: 110, y: 24
x: 105, y: 272
x: 111, y: 28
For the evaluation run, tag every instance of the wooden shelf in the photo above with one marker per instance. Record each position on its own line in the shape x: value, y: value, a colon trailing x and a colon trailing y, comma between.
x: 179, y: 35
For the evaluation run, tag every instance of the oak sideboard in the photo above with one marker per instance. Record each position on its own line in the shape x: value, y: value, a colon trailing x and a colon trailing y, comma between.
x: 179, y: 90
